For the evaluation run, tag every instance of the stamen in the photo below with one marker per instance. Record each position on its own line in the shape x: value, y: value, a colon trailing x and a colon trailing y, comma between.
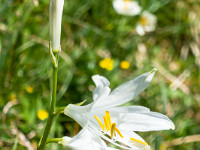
x: 106, y: 123
x: 112, y: 130
x: 139, y: 141
x: 100, y: 123
x: 108, y: 119
x: 119, y: 132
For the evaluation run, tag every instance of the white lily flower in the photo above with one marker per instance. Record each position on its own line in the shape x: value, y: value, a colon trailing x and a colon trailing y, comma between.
x: 118, y: 123
x: 147, y: 23
x: 55, y: 19
x: 126, y: 7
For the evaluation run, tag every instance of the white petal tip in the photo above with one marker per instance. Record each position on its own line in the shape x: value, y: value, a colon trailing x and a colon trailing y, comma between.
x: 151, y: 75
x: 100, y: 80
x: 154, y: 70
x: 172, y: 126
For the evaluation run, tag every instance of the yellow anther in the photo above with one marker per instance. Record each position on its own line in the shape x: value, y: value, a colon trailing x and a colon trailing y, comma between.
x: 119, y: 132
x: 108, y: 119
x: 112, y: 130
x: 100, y: 123
x: 106, y: 123
x: 139, y: 141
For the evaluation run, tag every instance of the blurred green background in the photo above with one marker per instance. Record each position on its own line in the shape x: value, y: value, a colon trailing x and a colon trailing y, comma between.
x: 92, y: 31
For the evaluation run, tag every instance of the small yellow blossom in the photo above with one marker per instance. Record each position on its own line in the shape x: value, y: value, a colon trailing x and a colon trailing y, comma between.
x: 106, y: 63
x: 12, y: 97
x: 124, y: 64
x: 42, y: 114
x: 29, y: 89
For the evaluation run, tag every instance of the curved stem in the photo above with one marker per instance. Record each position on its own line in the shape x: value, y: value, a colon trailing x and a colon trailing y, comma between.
x: 52, y: 109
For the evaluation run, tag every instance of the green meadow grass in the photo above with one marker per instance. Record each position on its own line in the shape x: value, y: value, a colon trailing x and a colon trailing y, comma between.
x: 91, y: 31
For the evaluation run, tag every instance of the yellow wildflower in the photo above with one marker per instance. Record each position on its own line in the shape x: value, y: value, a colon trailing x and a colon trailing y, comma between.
x: 42, y: 114
x: 106, y: 63
x: 29, y: 89
x: 12, y: 97
x: 124, y: 64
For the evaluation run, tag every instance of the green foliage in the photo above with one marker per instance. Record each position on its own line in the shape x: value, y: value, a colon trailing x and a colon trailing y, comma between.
x: 91, y: 31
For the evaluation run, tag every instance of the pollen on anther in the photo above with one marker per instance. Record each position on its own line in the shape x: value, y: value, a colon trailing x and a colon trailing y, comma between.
x: 112, y: 130
x: 100, y: 123
x: 108, y: 119
x: 106, y: 123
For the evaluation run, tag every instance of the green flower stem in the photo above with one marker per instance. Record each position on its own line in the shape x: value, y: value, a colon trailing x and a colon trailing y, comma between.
x: 54, y: 140
x: 52, y: 109
x: 59, y: 110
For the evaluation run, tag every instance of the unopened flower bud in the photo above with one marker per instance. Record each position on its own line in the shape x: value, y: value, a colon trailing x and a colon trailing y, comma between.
x: 55, y: 18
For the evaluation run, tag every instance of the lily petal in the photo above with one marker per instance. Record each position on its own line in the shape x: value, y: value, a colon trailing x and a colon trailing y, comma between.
x: 84, y: 140
x: 79, y: 113
x: 110, y: 148
x: 125, y: 92
x: 128, y: 109
x: 126, y: 143
x: 116, y: 111
x: 147, y: 121
x: 138, y: 144
x: 102, y: 89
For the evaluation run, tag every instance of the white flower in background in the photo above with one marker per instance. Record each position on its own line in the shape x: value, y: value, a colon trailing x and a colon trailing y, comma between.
x: 126, y: 7
x: 147, y: 23
x: 116, y: 124
x: 55, y: 19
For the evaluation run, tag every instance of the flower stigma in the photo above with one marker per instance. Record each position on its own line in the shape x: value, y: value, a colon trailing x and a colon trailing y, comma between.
x: 111, y: 128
